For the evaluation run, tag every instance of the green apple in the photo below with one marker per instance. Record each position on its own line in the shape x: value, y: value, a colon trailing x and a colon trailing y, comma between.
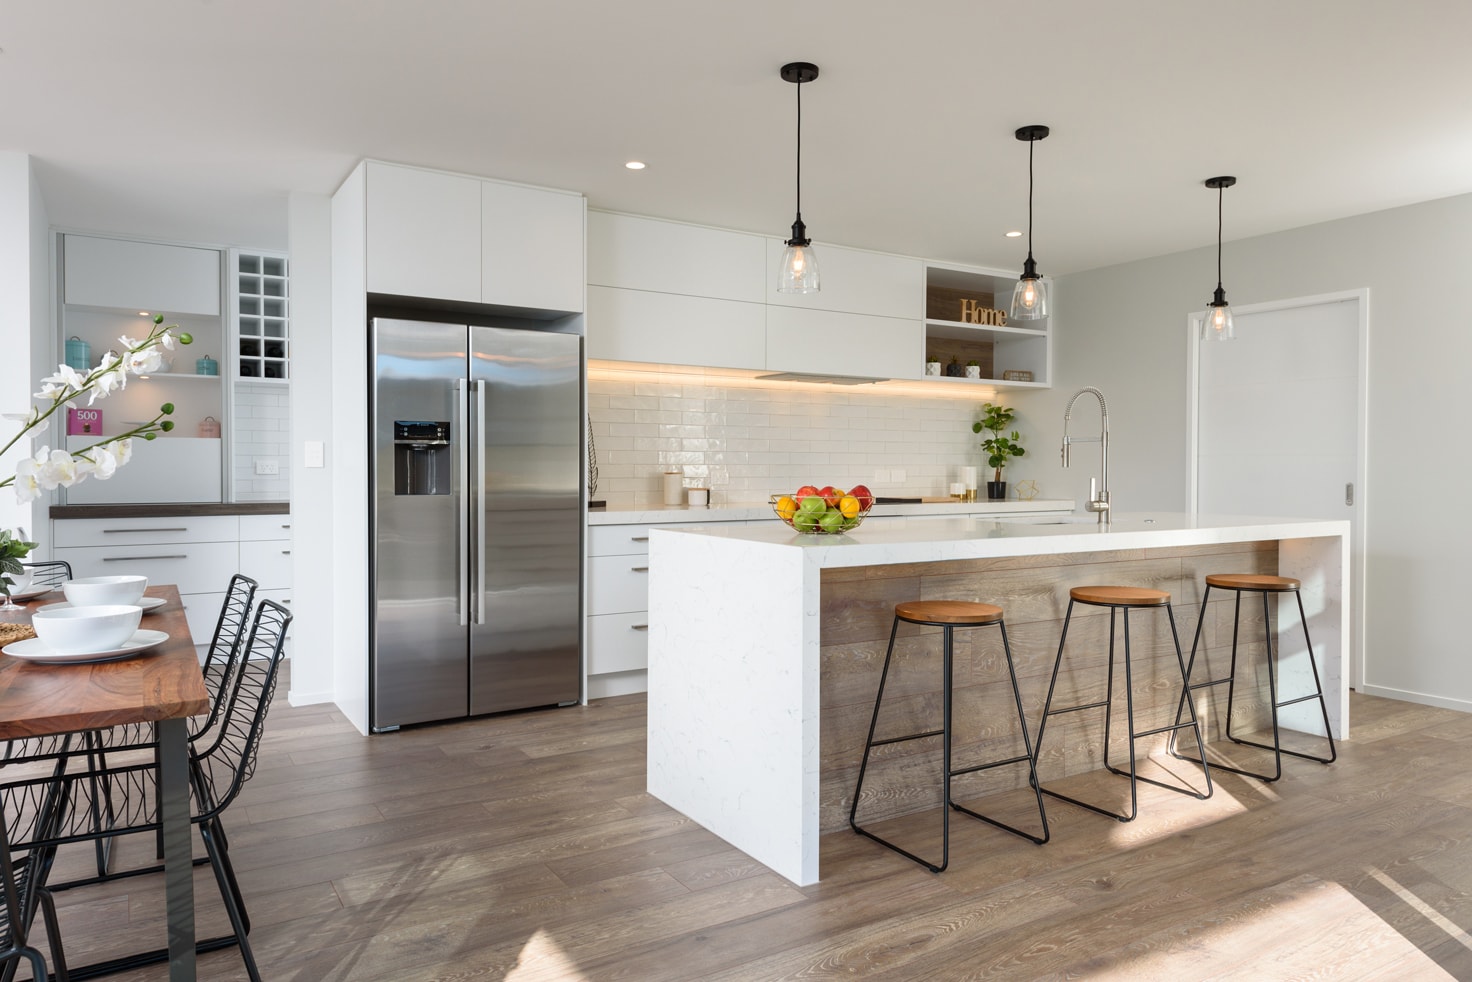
x: 831, y: 520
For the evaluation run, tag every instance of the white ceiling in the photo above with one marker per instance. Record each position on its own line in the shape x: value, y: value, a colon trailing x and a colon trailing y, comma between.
x: 192, y: 119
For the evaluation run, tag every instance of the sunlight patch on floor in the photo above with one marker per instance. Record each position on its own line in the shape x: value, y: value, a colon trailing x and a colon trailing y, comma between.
x: 542, y: 958
x: 1421, y: 907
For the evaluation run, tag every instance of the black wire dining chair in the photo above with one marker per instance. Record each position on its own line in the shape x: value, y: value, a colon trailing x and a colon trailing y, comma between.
x: 49, y: 573
x: 218, y: 768
x: 22, y: 893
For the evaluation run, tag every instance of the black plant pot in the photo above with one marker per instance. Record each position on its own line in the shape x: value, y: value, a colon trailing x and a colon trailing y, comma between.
x: 996, y: 490
x: 955, y: 371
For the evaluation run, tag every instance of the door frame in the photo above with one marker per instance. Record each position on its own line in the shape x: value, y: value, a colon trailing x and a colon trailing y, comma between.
x: 1361, y: 299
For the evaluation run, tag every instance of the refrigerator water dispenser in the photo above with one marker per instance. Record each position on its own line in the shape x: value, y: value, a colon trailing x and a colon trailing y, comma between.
x: 421, y: 457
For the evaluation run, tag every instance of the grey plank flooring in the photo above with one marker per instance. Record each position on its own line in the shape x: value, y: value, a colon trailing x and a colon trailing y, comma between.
x: 524, y: 847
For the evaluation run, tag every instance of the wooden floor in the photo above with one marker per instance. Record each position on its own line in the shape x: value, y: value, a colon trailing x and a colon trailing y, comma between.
x: 525, y: 847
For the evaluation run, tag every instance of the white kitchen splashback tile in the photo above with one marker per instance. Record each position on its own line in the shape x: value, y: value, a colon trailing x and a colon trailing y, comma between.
x: 262, y: 431
x: 746, y: 442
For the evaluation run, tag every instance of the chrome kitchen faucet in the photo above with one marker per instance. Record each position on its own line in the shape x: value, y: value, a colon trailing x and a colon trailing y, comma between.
x: 1098, y: 490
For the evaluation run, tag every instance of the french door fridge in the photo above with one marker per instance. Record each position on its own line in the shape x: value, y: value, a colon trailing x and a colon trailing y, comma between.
x: 476, y: 544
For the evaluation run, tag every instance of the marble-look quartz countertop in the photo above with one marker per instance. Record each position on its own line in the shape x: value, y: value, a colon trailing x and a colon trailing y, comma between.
x: 748, y: 511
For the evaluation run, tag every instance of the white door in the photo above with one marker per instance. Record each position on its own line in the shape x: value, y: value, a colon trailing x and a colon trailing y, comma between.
x: 1280, y: 422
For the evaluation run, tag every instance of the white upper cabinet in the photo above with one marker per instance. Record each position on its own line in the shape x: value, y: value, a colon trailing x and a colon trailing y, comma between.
x: 671, y: 257
x: 829, y: 342
x: 531, y: 247
x: 423, y: 234
x: 451, y: 237
x: 135, y: 276
x: 853, y: 280
x: 670, y: 329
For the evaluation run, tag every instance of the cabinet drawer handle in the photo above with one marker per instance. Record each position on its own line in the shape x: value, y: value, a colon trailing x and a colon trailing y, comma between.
x: 638, y: 538
x: 286, y: 526
x: 638, y: 569
x: 638, y: 627
x: 134, y: 559
x: 120, y: 531
x: 286, y: 552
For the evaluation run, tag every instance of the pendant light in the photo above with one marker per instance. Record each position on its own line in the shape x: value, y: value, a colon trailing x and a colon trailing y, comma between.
x: 1216, y: 325
x: 1030, y: 298
x: 799, y: 272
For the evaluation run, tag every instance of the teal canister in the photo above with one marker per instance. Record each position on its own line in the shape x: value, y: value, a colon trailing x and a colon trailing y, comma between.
x: 78, y: 354
x: 206, y: 366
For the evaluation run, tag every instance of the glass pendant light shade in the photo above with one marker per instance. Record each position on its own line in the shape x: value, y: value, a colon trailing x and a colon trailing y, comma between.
x: 1216, y: 323
x: 799, y: 270
x: 1030, y: 297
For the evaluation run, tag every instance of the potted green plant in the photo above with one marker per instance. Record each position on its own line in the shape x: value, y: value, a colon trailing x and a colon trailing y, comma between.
x: 13, y: 576
x: 973, y: 369
x: 954, y: 368
x: 998, y: 447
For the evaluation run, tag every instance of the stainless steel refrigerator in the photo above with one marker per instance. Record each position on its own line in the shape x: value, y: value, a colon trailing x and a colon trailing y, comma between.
x: 476, y: 516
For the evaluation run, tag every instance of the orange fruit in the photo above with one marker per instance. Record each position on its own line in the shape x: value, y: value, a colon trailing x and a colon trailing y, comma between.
x: 786, y: 508
x: 848, y: 506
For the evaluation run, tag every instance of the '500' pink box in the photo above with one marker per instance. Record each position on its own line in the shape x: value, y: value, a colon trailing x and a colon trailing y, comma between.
x: 83, y: 422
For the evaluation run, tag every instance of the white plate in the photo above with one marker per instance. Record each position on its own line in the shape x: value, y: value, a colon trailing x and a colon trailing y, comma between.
x: 32, y: 591
x: 34, y: 649
x: 149, y: 604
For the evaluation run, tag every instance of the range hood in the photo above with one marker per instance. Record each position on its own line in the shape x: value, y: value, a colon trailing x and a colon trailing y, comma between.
x: 819, y: 379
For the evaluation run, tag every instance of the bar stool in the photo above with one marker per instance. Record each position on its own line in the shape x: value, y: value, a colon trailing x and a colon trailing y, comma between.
x: 948, y: 615
x: 1240, y: 583
x: 1123, y: 598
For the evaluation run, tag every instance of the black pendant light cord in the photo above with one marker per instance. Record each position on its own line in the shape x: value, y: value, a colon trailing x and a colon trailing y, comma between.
x: 799, y: 151
x: 1219, y: 192
x: 1030, y: 145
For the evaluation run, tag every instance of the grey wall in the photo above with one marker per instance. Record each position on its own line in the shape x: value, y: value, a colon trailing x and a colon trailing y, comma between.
x: 1124, y: 329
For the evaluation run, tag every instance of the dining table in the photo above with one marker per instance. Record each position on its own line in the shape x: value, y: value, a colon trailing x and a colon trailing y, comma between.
x: 164, y: 686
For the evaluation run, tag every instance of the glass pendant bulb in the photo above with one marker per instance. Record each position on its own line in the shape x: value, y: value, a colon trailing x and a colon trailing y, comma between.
x: 799, y: 271
x: 1216, y: 324
x: 1030, y: 296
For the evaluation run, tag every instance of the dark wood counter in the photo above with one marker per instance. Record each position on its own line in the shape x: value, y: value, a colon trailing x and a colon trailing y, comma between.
x: 185, y: 509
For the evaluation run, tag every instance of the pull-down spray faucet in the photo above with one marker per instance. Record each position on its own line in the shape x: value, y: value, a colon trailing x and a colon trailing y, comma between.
x: 1098, y: 491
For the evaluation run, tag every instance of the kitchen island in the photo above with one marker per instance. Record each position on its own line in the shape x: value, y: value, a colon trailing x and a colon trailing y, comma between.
x: 761, y: 639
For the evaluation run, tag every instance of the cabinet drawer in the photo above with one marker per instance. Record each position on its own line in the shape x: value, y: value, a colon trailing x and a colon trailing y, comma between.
x: 268, y: 562
x: 253, y: 527
x: 128, y: 531
x: 618, y: 642
x: 618, y: 540
x: 194, y: 567
x: 617, y: 584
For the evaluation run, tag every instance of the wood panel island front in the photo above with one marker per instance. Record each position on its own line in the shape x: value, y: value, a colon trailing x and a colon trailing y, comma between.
x: 765, y: 648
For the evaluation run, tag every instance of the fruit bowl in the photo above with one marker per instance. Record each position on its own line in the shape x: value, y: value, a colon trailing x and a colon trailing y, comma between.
x: 829, y: 519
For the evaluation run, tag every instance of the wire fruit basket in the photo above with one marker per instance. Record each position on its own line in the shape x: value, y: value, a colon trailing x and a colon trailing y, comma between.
x: 800, y: 514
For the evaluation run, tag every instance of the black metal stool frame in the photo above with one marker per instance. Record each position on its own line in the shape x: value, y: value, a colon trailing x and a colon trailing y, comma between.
x: 1231, y: 683
x: 1107, y: 704
x: 945, y: 734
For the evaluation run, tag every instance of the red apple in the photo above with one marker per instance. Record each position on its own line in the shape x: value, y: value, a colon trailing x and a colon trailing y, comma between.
x: 831, y: 495
x: 865, y: 496
x: 807, y: 490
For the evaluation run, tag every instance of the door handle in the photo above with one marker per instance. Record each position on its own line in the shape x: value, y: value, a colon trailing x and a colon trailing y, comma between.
x: 480, y: 492
x: 462, y: 536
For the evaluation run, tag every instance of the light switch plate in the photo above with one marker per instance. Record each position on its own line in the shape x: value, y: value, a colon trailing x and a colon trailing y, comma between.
x: 313, y: 453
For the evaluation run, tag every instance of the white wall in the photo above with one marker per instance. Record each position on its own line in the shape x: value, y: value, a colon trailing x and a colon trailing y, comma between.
x: 261, y: 424
x: 1124, y: 330
x: 25, y: 313
x: 309, y: 221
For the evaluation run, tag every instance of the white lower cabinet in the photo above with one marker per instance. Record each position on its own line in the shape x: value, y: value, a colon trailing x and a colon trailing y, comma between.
x: 198, y: 554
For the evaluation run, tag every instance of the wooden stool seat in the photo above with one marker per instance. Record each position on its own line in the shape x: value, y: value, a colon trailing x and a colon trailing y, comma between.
x: 958, y: 612
x: 1252, y: 581
x: 1120, y: 596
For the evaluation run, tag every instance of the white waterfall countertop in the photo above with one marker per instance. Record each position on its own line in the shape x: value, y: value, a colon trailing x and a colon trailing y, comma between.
x: 735, y: 651
x: 753, y: 511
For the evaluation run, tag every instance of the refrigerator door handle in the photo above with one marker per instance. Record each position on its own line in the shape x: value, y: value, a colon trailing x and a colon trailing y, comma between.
x: 462, y: 511
x: 480, y: 491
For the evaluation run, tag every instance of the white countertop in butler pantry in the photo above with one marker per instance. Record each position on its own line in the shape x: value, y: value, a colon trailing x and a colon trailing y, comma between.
x: 750, y: 511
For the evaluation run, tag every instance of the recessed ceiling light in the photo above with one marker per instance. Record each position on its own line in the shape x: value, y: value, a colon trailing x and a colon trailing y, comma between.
x: 143, y: 313
x: 635, y: 165
x: 1014, y: 234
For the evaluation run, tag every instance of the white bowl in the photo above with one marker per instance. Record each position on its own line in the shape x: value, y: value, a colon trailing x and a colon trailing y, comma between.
x: 86, y: 630
x: 93, y: 590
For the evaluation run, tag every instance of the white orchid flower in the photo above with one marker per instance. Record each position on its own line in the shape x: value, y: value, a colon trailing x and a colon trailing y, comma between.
x: 143, y: 362
x: 121, y: 450
x: 104, y: 464
x: 66, y: 379
x: 106, y: 383
x: 27, y: 482
x: 63, y: 470
x: 167, y: 340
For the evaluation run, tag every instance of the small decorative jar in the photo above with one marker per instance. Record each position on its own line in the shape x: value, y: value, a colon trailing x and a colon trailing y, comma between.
x: 206, y: 366
x: 209, y: 428
x: 78, y: 354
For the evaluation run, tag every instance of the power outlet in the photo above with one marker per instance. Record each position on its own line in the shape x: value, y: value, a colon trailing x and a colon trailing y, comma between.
x: 267, y: 468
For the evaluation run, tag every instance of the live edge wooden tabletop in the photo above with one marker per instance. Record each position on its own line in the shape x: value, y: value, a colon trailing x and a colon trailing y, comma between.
x: 163, y: 683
